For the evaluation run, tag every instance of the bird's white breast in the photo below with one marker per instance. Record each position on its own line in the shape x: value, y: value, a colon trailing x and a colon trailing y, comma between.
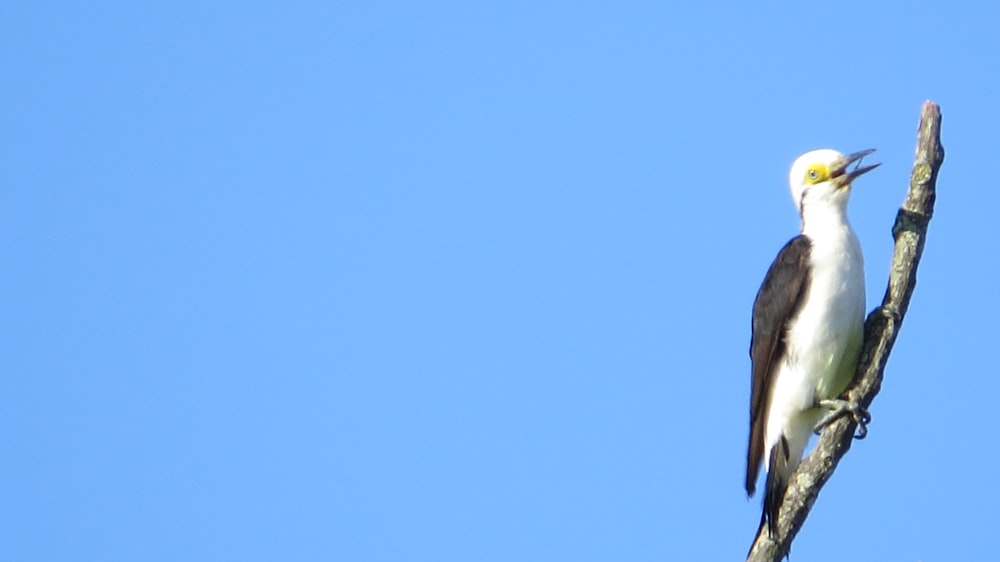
x: 822, y: 342
x: 829, y: 326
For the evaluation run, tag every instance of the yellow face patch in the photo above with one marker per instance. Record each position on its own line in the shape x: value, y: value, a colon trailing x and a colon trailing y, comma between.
x: 816, y: 173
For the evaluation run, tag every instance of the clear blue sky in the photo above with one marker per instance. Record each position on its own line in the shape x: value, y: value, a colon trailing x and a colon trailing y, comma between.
x: 468, y: 281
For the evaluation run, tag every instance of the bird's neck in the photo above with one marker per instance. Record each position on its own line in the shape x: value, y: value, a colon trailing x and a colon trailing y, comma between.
x: 825, y: 222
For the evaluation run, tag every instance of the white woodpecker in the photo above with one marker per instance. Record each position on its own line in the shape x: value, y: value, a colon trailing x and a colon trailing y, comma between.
x: 808, y: 324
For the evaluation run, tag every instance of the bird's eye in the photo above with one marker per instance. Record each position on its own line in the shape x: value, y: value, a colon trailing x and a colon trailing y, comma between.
x: 816, y: 173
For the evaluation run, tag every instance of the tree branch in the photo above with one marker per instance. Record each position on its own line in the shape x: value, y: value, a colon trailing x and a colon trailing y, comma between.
x: 881, y: 327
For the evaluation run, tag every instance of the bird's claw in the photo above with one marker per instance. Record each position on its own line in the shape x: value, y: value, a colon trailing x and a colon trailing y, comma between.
x: 838, y: 408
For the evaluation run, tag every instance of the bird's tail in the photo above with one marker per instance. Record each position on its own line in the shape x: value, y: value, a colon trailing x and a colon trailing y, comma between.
x: 781, y: 464
x: 780, y: 467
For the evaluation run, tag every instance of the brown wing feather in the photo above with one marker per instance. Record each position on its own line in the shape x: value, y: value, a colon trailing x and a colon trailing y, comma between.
x: 778, y: 300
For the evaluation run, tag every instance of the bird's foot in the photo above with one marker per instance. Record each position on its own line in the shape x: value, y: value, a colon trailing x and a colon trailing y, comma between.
x: 838, y: 408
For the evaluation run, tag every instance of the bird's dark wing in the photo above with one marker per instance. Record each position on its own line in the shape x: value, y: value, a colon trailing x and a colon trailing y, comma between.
x: 779, y: 298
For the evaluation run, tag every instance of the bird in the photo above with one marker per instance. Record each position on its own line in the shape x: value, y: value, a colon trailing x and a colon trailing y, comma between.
x: 807, y: 326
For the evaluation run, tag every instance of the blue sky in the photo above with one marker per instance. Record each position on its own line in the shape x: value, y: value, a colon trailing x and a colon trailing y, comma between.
x: 468, y: 281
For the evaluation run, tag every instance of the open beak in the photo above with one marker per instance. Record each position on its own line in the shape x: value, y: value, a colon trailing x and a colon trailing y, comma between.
x: 842, y: 177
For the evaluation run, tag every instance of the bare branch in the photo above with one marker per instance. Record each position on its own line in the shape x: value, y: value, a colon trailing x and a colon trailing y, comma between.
x: 881, y: 327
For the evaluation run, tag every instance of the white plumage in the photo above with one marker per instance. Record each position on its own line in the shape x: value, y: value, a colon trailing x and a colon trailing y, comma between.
x: 824, y: 339
x: 808, y: 323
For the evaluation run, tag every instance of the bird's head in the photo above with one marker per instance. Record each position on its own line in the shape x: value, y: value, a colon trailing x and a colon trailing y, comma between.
x: 821, y: 178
